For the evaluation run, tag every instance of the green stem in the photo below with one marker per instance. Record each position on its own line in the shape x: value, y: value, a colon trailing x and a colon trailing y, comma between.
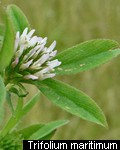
x: 14, y: 119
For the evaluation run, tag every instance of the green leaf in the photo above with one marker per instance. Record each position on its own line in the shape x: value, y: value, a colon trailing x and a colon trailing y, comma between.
x: 1, y: 34
x: 86, y: 55
x: 30, y: 104
x: 2, y: 98
x: 2, y: 29
x: 47, y: 129
x: 27, y: 132
x: 17, y: 17
x: 72, y: 100
x: 7, y: 50
x: 49, y: 136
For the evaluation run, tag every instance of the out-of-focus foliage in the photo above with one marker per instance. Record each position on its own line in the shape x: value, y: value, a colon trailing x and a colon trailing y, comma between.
x: 70, y: 22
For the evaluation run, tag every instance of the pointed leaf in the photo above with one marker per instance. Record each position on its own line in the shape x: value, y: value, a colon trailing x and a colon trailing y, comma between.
x: 7, y: 49
x: 2, y: 98
x: 27, y: 132
x: 49, y: 136
x: 47, y: 129
x: 30, y: 104
x: 86, y: 55
x: 72, y: 100
x: 17, y: 17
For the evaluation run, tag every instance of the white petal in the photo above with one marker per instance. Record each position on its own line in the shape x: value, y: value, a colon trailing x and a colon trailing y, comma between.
x: 30, y: 34
x: 42, y: 59
x: 45, y: 70
x: 22, y: 41
x: 33, y: 41
x: 15, y: 62
x: 26, y: 65
x: 35, y: 67
x: 53, y: 54
x: 17, y: 40
x: 18, y: 35
x: 54, y: 63
x: 37, y: 53
x: 37, y: 47
x: 39, y: 40
x: 44, y: 50
x: 25, y: 58
x: 20, y: 51
x: 44, y: 40
x: 29, y: 55
x: 33, y: 77
x: 51, y: 47
x: 32, y: 53
x: 48, y: 76
x: 24, y: 33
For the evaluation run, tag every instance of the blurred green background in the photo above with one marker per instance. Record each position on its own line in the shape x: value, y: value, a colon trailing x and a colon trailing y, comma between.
x: 70, y: 22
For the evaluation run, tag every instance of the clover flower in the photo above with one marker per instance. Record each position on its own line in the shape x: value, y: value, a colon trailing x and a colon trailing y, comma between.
x: 32, y: 58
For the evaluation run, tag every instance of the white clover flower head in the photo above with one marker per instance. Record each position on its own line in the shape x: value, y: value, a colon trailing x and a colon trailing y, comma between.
x: 32, y: 58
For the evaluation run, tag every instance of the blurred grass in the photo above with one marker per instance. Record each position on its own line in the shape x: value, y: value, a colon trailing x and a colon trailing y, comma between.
x: 70, y: 22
